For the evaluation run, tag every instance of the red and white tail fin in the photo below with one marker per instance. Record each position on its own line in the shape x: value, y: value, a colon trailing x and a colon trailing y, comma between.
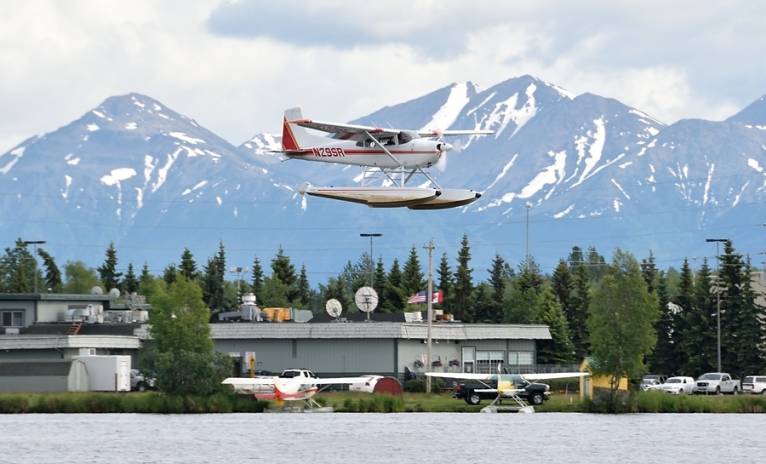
x: 295, y: 137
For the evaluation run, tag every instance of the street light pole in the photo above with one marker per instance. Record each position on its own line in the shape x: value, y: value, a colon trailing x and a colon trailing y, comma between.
x: 717, y: 296
x: 34, y: 244
x: 429, y: 312
x: 371, y: 235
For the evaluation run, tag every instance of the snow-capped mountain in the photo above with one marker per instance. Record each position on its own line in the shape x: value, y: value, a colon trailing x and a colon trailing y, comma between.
x: 588, y: 170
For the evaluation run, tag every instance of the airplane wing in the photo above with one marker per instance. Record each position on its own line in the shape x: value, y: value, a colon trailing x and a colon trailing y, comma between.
x: 339, y: 380
x: 347, y: 131
x: 343, y: 131
x: 463, y: 376
x: 555, y: 375
x: 437, y: 133
x: 239, y: 382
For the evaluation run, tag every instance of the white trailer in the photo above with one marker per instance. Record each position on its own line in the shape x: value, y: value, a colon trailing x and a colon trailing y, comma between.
x: 107, y: 373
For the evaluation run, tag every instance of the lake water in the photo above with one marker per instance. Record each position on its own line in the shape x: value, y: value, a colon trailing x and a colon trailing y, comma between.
x: 381, y: 438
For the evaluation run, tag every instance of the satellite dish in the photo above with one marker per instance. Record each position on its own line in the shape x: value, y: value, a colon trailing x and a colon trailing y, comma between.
x: 96, y: 290
x: 333, y: 307
x: 366, y: 299
x: 114, y: 293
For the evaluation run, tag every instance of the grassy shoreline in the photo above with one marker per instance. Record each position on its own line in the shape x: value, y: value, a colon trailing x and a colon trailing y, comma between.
x: 157, y: 403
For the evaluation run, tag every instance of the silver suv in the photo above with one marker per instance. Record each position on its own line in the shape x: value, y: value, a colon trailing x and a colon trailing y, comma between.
x: 754, y: 384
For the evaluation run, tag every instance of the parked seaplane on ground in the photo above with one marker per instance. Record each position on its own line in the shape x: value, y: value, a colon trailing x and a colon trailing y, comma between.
x: 290, y: 385
x: 390, y: 158
x: 505, y: 386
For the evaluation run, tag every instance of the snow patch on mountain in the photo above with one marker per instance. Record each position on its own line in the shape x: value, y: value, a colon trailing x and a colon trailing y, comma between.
x: 92, y: 127
x: 564, y: 212
x: 67, y: 184
x: 754, y: 164
x: 708, y: 182
x: 448, y: 113
x: 118, y: 175
x: 185, y: 138
x: 552, y: 174
x: 595, y: 150
x: 504, y: 171
x: 162, y: 173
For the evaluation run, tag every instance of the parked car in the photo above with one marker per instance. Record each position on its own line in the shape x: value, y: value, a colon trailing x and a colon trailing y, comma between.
x: 368, y: 386
x: 652, y: 381
x: 716, y: 382
x: 474, y: 392
x: 138, y: 381
x: 754, y: 384
x: 678, y: 385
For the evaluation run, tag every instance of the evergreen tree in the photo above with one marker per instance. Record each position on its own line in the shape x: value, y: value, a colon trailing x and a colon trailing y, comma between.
x: 283, y: 269
x: 52, y: 273
x: 484, y: 308
x: 130, y: 283
x: 18, y: 270
x: 379, y: 282
x: 335, y: 289
x: 649, y: 272
x: 699, y: 339
x: 274, y: 293
x: 621, y: 323
x: 664, y: 359
x: 212, y: 284
x: 597, y: 267
x: 146, y: 276
x: 412, y: 275
x: 108, y: 271
x: 558, y: 350
x: 497, y: 279
x: 188, y: 267
x: 564, y: 287
x: 257, y: 282
x: 529, y: 276
x: 682, y: 303
x: 575, y: 259
x: 393, y: 295
x: 750, y: 352
x: 579, y: 312
x: 304, y: 289
x: 170, y: 274
x: 446, y: 282
x: 730, y: 282
x: 463, y: 281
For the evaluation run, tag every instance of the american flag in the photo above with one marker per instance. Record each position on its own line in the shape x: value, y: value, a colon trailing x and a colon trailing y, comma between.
x: 420, y: 297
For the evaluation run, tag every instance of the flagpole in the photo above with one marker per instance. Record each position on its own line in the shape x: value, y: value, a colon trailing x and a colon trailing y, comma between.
x: 429, y: 299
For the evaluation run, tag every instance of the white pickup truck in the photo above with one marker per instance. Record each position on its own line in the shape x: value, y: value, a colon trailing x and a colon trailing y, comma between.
x: 716, y: 383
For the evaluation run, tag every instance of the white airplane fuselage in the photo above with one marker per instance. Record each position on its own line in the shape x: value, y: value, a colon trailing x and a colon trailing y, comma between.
x: 418, y: 153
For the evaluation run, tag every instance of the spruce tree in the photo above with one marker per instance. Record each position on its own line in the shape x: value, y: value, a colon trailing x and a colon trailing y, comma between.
x: 379, y: 281
x: 649, y: 272
x: 664, y: 359
x: 559, y: 349
x: 283, y: 269
x: 596, y: 264
x: 579, y: 312
x: 412, y: 275
x: 750, y: 355
x: 683, y: 303
x: 699, y: 339
x: 445, y: 282
x: 257, y: 279
x: 146, y: 276
x: 484, y: 308
x: 170, y: 274
x: 18, y: 269
x: 108, y: 271
x: 497, y: 279
x: 563, y: 286
x: 188, y: 267
x: 304, y: 289
x: 463, y: 281
x: 393, y: 300
x: 212, y: 284
x: 52, y: 273
x: 130, y: 283
x: 730, y: 282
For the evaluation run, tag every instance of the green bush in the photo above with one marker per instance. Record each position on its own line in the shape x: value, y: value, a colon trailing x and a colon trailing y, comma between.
x: 418, y: 385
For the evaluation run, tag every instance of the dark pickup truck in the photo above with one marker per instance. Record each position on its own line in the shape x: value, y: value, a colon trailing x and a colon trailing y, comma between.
x: 474, y: 392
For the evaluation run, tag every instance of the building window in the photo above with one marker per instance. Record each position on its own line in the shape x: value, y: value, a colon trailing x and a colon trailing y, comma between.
x: 487, y: 361
x: 520, y: 358
x: 12, y: 318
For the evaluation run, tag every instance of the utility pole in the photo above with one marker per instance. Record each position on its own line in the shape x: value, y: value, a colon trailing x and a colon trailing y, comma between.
x: 430, y: 306
x: 717, y: 296
x: 529, y: 205
x: 373, y: 235
x: 34, y: 244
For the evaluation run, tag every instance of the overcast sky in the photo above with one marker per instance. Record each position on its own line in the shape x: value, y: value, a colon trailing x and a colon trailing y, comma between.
x: 235, y: 65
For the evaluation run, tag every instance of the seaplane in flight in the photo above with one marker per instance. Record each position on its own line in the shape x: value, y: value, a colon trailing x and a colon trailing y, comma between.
x: 390, y: 158
x: 290, y: 385
x: 504, y: 386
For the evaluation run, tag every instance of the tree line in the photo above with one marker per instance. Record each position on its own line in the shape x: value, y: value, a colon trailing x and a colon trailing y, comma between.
x: 680, y: 306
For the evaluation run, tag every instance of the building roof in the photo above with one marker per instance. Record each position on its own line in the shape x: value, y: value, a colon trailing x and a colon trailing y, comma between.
x: 54, y: 297
x: 388, y: 330
x: 42, y: 342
